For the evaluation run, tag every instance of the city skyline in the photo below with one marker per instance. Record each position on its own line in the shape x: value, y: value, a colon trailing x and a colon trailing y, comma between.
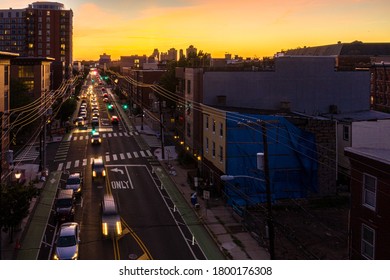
x: 248, y: 29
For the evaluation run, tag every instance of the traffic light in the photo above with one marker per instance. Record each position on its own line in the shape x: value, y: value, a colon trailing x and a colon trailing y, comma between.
x: 109, y: 106
x: 125, y: 106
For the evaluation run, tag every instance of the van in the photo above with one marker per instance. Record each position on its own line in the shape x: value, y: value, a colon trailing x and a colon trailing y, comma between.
x: 64, y: 205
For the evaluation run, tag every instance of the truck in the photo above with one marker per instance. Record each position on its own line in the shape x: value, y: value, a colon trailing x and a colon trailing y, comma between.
x: 75, y: 182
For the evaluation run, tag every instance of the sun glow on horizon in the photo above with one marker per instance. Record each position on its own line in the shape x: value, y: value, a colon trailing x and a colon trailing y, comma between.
x: 250, y: 29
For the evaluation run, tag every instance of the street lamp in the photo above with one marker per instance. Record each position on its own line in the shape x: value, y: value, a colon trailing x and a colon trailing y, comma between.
x: 18, y: 175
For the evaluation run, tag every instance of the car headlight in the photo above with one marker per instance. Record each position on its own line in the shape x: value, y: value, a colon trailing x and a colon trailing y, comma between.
x: 55, y: 257
x: 94, y: 173
x: 118, y: 228
x: 105, y: 228
x: 104, y: 173
x: 74, y: 257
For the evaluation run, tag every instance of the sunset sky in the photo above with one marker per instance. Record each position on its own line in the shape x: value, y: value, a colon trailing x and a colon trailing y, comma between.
x: 249, y: 28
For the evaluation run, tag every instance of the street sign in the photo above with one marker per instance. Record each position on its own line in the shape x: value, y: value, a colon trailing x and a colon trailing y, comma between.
x: 206, y: 194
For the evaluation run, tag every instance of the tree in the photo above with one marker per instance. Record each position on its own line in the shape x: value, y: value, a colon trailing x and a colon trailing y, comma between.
x: 67, y: 109
x: 15, y: 204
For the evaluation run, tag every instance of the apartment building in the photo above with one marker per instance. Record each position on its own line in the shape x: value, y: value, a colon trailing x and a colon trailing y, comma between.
x: 43, y: 29
x: 5, y: 72
x: 369, y: 225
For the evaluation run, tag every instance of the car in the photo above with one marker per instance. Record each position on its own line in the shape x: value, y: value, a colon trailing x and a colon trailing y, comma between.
x: 111, y: 221
x: 98, y: 168
x: 95, y: 123
x: 75, y: 182
x: 114, y: 120
x: 83, y: 115
x: 95, y: 138
x: 64, y: 205
x: 67, y: 242
x: 95, y: 113
x: 105, y: 99
x: 80, y: 121
x: 105, y: 95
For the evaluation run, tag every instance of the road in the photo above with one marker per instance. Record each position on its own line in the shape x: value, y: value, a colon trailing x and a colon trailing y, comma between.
x: 153, y: 228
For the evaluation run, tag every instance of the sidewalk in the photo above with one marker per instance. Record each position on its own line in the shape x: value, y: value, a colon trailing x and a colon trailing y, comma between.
x: 222, y: 225
x: 219, y: 220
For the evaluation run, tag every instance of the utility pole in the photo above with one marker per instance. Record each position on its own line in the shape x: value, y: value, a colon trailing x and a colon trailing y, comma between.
x: 270, y: 222
x: 161, y: 130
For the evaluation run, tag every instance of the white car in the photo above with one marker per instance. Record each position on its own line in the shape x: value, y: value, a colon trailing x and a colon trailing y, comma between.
x: 67, y: 242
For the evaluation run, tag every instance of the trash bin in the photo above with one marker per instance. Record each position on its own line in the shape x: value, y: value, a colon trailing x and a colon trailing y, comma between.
x: 194, y: 199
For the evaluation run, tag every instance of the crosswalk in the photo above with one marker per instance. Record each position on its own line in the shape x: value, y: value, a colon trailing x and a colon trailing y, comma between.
x: 29, y: 153
x: 109, y: 158
x: 104, y: 135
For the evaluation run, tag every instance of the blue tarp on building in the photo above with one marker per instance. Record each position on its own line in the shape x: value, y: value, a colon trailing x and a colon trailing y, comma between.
x: 291, y: 153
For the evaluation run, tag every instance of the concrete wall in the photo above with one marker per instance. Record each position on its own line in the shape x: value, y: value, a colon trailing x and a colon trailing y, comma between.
x: 310, y: 84
x: 371, y: 134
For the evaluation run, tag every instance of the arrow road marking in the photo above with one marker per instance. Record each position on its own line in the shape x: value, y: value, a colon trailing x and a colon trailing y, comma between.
x: 118, y: 170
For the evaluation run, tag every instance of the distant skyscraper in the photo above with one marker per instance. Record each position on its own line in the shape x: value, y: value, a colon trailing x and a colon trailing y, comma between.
x: 43, y: 29
x: 156, y: 55
x: 191, y: 49
x: 170, y: 55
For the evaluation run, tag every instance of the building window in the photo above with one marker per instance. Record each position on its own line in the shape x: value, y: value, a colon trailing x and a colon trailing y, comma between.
x: 220, y: 129
x: 213, y: 149
x: 369, y: 191
x: 207, y: 122
x: 6, y: 75
x: 47, y: 52
x: 188, y: 86
x: 220, y: 153
x: 188, y: 130
x: 368, y: 242
x: 213, y: 126
x: 346, y: 132
x: 207, y: 145
x: 26, y: 71
x: 29, y: 85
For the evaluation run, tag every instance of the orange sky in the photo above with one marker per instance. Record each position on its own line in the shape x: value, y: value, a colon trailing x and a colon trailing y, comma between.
x: 249, y: 28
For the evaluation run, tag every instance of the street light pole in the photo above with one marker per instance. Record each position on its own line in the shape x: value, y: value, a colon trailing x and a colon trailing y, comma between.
x: 270, y: 222
x: 161, y: 130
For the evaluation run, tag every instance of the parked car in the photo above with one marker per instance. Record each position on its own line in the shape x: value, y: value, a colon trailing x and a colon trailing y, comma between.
x: 111, y: 221
x: 75, y: 182
x: 67, y: 242
x: 64, y: 205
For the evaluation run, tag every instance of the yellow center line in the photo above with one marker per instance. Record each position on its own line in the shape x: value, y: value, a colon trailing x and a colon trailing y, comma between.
x: 138, y: 240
